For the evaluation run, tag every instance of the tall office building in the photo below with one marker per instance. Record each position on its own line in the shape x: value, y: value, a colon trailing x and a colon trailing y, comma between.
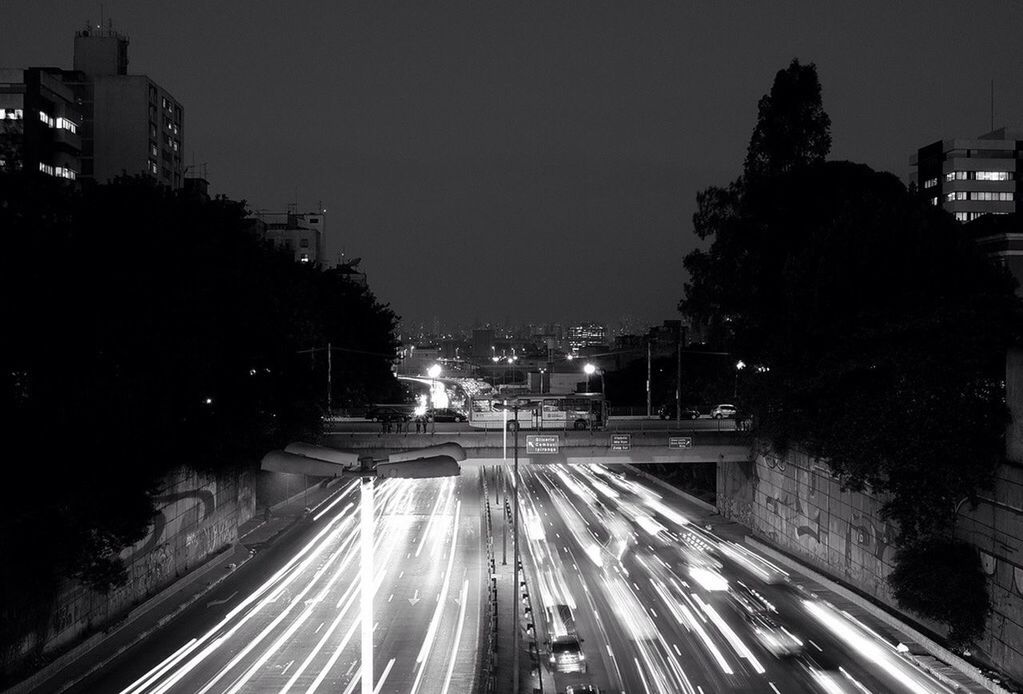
x: 586, y: 335
x: 40, y: 123
x: 97, y: 120
x: 132, y: 124
x: 971, y: 178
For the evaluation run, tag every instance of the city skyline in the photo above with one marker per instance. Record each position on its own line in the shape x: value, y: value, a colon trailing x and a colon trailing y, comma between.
x: 557, y: 143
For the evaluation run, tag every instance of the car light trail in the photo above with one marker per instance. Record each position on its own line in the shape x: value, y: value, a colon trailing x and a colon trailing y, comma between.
x: 431, y: 632
x: 458, y: 636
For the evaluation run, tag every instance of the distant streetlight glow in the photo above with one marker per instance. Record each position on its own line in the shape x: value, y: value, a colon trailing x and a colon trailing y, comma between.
x: 434, y: 371
x: 590, y: 369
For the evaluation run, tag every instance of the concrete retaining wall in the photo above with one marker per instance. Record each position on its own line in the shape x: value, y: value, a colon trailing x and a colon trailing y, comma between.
x: 794, y: 502
x: 197, y: 515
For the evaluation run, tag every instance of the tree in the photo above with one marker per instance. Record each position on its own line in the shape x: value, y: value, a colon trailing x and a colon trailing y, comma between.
x: 874, y: 327
x: 153, y: 329
x: 792, y: 128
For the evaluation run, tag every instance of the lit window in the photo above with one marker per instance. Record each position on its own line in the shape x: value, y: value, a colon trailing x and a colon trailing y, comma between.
x: 46, y: 168
x: 930, y: 183
x: 304, y: 258
x: 962, y: 216
x: 152, y: 167
x: 958, y: 175
x: 956, y: 195
x: 934, y: 200
x: 994, y: 175
x: 152, y: 148
x: 65, y: 124
x: 64, y: 172
x: 46, y: 119
x: 11, y: 114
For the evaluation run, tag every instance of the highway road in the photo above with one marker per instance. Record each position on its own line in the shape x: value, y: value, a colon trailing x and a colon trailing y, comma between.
x: 663, y: 605
x: 293, y: 625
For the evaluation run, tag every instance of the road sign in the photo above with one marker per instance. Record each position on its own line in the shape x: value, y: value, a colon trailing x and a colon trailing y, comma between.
x: 542, y: 444
x: 621, y: 442
x: 680, y: 442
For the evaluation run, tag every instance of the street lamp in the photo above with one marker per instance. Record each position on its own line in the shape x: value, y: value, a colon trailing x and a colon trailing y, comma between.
x: 739, y: 366
x: 589, y: 369
x: 515, y: 406
x: 303, y: 458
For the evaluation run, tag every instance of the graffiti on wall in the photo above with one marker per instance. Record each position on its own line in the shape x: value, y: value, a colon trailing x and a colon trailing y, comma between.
x: 204, y: 500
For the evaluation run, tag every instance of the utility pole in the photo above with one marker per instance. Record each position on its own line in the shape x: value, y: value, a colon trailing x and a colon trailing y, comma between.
x: 330, y: 374
x: 648, y: 373
x: 678, y: 381
x: 515, y: 557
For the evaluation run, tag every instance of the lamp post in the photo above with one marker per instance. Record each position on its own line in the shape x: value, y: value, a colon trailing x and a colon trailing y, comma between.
x: 739, y: 366
x: 302, y: 458
x: 515, y: 406
x: 588, y: 370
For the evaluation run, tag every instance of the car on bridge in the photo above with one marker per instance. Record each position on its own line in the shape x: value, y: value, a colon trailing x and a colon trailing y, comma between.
x: 389, y: 413
x: 668, y: 412
x: 723, y: 411
x: 446, y: 414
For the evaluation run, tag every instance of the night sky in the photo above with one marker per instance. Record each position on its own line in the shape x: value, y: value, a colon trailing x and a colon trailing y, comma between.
x: 532, y: 161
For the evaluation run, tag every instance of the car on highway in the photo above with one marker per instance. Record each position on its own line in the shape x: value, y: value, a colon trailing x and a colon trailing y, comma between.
x: 567, y: 655
x: 723, y: 411
x: 668, y: 412
x: 446, y: 415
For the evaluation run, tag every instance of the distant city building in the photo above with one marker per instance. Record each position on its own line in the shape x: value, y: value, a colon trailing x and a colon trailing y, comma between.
x: 971, y: 178
x: 40, y: 123
x: 482, y: 342
x: 300, y: 233
x: 586, y: 335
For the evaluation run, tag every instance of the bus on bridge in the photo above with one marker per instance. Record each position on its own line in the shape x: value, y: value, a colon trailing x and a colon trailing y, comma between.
x: 547, y: 411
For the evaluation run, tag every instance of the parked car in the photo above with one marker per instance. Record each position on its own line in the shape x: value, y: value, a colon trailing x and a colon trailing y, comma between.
x: 668, y: 412
x: 723, y: 411
x: 388, y: 413
x: 447, y: 415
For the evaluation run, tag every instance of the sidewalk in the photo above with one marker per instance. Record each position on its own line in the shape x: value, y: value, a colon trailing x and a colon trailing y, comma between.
x: 100, y: 649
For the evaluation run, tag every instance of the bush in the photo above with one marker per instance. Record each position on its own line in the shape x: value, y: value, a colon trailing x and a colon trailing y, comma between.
x: 942, y: 579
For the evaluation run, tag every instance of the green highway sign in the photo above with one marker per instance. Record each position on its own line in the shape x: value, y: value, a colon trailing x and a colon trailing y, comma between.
x: 621, y: 442
x: 542, y: 444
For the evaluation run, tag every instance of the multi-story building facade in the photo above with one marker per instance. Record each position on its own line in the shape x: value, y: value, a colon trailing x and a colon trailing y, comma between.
x: 97, y: 121
x: 971, y: 178
x: 586, y: 335
x: 40, y: 123
x: 301, y: 233
x: 132, y: 124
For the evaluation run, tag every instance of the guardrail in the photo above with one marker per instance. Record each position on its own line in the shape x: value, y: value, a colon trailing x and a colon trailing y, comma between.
x: 488, y: 666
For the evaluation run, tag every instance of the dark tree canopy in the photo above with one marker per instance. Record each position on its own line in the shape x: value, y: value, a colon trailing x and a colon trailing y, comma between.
x: 944, y: 579
x: 149, y: 329
x: 874, y: 327
x: 792, y: 127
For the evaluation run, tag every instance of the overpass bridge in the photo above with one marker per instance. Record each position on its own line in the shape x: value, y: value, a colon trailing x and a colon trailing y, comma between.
x: 483, y: 447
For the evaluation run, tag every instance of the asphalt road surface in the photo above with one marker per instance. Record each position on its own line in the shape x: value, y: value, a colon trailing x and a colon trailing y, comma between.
x: 665, y: 606
x: 293, y: 625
